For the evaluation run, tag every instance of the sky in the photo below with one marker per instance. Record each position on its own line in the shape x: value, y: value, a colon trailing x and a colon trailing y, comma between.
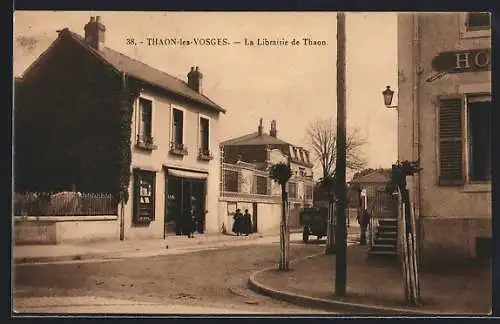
x: 294, y: 85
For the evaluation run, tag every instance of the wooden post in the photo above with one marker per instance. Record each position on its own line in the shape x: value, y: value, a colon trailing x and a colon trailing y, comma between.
x: 330, y: 241
x: 340, y: 167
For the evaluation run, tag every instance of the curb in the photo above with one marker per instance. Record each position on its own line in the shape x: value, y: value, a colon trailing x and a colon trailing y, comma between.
x: 123, y: 254
x: 64, y: 258
x: 326, y: 304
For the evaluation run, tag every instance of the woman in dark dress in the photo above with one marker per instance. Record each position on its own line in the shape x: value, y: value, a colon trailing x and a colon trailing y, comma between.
x: 247, y: 223
x: 237, y: 224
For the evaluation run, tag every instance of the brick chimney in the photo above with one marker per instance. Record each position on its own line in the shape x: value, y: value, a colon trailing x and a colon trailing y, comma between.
x: 273, y: 131
x: 260, y: 128
x: 195, y: 78
x: 94, y: 33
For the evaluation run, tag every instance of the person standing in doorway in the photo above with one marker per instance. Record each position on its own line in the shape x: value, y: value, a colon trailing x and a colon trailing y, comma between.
x: 247, y: 223
x: 191, y: 222
x: 237, y: 222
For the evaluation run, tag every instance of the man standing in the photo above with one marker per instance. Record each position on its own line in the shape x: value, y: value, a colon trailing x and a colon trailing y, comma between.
x: 191, y: 222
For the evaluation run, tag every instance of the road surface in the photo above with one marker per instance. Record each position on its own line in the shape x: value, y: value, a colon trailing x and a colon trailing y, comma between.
x: 202, y: 282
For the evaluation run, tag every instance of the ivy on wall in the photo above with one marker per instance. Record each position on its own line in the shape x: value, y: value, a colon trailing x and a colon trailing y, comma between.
x: 73, y: 126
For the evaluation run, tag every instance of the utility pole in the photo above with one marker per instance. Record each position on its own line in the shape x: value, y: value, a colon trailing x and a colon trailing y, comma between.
x: 340, y: 168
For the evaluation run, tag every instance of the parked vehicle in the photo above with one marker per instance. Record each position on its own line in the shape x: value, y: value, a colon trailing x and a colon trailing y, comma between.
x: 314, y: 221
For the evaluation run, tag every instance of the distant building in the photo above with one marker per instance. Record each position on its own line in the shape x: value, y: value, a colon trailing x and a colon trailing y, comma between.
x: 445, y: 109
x: 90, y: 117
x: 245, y: 179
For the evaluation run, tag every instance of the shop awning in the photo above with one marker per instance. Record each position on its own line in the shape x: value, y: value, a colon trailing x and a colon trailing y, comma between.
x: 187, y: 174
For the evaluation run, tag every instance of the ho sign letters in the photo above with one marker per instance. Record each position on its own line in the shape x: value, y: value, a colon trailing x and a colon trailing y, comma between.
x: 463, y: 61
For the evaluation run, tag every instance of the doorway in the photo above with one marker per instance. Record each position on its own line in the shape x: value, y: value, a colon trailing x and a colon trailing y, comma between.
x: 254, y: 217
x: 181, y: 194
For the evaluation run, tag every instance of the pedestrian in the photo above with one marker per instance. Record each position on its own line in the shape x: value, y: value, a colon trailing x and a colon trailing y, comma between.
x: 247, y: 223
x: 191, y: 222
x: 237, y: 222
x: 363, y: 220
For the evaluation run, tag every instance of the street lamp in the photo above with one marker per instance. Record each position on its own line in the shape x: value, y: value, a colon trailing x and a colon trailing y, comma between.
x: 388, y: 94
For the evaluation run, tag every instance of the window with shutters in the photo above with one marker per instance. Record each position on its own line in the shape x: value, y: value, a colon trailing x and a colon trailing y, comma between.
x: 479, y: 137
x: 450, y: 141
x: 465, y: 139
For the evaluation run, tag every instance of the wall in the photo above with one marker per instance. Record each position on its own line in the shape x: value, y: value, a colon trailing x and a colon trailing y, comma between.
x: 65, y: 229
x: 465, y: 210
x: 157, y: 159
x: 268, y: 213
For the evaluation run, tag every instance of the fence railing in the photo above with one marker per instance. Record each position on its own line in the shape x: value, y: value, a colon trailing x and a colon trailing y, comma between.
x: 65, y: 203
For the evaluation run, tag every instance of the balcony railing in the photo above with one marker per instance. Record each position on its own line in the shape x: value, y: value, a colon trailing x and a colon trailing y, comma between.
x: 178, y: 149
x: 205, y: 154
x: 146, y: 142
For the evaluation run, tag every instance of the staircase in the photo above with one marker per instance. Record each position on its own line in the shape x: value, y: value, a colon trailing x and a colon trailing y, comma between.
x: 385, y: 238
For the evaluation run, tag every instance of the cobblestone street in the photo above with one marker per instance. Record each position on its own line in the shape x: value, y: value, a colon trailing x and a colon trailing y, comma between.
x: 216, y: 279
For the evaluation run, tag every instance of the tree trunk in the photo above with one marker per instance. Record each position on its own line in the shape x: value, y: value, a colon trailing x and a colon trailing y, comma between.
x: 284, y: 264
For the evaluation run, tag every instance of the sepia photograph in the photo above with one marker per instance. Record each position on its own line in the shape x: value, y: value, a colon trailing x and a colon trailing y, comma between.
x: 251, y: 163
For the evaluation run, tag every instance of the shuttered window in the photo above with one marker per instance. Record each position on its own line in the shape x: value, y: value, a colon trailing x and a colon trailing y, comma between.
x: 451, y: 166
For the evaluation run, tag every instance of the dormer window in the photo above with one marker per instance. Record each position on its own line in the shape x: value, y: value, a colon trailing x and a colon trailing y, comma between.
x: 302, y: 156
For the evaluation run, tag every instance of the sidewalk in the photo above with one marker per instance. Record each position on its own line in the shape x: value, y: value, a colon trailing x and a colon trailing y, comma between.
x: 173, y: 244
x: 375, y: 286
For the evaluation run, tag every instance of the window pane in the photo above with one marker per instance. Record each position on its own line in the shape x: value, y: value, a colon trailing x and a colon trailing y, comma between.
x: 177, y: 126
x: 261, y: 185
x: 292, y: 190
x: 204, y: 133
x: 145, y: 107
x: 478, y: 20
x: 231, y: 180
x: 479, y: 141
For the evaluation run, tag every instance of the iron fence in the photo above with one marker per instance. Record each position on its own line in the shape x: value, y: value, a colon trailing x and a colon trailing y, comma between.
x: 67, y: 203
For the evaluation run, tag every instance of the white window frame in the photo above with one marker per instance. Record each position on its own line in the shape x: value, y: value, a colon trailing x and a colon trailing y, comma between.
x: 200, y: 116
x: 172, y: 107
x: 471, y: 90
x: 464, y: 33
x: 139, y: 113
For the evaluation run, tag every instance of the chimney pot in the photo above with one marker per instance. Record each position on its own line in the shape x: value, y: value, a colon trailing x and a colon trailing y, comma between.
x: 260, y: 128
x: 273, y: 131
x: 195, y: 79
x: 95, y: 32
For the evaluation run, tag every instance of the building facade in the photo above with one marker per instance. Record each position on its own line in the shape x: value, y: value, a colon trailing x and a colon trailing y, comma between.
x: 116, y: 125
x: 444, y: 109
x: 245, y: 182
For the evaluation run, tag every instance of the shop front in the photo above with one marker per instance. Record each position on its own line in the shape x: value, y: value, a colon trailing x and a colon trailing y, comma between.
x: 185, y: 189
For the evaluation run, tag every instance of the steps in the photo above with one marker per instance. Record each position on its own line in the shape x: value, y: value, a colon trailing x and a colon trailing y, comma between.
x: 386, y: 238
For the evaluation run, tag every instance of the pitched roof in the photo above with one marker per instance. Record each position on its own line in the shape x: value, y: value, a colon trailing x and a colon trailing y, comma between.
x: 255, y: 139
x: 144, y: 72
x: 376, y: 176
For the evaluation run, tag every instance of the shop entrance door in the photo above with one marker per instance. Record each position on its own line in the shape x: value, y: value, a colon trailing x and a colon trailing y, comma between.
x: 180, y: 195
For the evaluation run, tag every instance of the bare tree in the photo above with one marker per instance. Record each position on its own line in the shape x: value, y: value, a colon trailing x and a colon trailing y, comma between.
x: 322, y: 137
